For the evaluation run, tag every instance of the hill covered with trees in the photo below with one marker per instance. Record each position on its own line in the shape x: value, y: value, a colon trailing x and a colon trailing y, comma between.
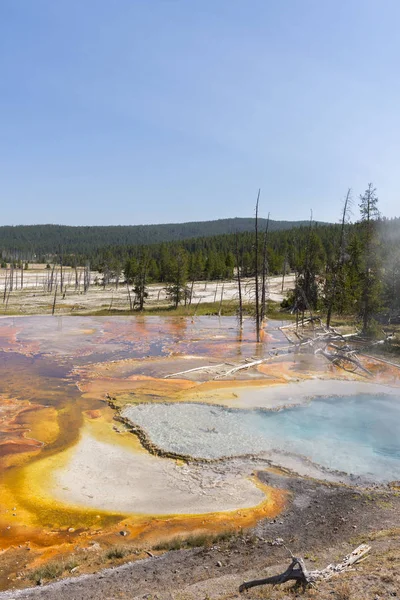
x: 26, y: 241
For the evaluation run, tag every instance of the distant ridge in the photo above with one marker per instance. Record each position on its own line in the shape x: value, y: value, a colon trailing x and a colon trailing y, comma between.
x: 47, y: 239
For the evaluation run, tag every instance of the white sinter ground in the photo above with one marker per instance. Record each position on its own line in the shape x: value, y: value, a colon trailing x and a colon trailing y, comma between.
x: 352, y: 428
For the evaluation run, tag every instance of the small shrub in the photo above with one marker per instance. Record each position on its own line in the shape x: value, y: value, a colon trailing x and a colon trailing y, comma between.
x: 49, y: 571
x: 116, y: 552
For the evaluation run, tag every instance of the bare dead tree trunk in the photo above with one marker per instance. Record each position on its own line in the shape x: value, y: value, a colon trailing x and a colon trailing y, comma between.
x: 54, y: 301
x: 52, y: 279
x: 116, y: 279
x: 61, y: 272
x: 215, y: 293
x: 129, y: 296
x: 258, y: 321
x: 284, y: 273
x: 297, y: 571
x: 339, y: 261
x: 11, y: 280
x: 86, y: 278
x: 22, y: 275
x: 5, y: 286
x: 191, y: 292
x: 239, y: 281
x: 264, y: 274
x: 222, y: 298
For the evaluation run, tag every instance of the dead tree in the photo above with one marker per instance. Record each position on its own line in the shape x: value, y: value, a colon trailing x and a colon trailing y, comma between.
x: 54, y: 301
x: 129, y: 296
x: 11, y: 279
x: 76, y: 277
x: 51, y: 281
x: 256, y: 275
x: 239, y: 280
x: 61, y: 271
x: 222, y: 298
x: 86, y: 278
x: 5, y: 285
x: 284, y: 272
x: 215, y: 292
x: 264, y: 274
x: 191, y: 292
x: 297, y: 571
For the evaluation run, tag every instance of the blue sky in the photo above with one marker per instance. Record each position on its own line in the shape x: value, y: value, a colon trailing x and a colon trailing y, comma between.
x: 150, y: 111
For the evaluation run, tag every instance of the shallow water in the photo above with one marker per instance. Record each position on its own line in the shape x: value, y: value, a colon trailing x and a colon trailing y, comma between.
x: 357, y: 434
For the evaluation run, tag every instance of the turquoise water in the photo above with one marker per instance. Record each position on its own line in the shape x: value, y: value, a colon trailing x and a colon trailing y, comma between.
x: 357, y: 434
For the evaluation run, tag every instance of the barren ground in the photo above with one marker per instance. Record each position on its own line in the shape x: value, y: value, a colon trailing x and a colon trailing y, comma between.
x: 35, y: 299
x: 322, y: 522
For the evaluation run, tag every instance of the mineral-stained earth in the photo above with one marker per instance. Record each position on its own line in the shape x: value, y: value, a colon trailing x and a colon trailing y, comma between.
x: 80, y: 473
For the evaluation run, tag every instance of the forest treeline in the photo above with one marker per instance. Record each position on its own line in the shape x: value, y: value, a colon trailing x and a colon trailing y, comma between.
x: 29, y: 241
x: 348, y: 268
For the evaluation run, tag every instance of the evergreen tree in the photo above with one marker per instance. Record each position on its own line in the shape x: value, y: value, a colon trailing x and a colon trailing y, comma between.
x: 140, y: 283
x: 176, y: 288
x: 370, y: 281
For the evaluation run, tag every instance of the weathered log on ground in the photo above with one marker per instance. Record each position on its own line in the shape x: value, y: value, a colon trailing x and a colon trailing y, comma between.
x: 298, y: 572
x: 292, y: 573
x: 193, y: 370
x: 339, y: 357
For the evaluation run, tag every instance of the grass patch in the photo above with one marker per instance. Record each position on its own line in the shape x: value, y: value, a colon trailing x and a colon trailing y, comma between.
x: 52, y: 570
x: 229, y: 308
x: 384, y: 533
x: 117, y: 552
x: 195, y: 541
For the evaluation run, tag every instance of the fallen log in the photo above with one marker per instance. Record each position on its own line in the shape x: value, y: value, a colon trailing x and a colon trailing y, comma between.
x: 240, y: 367
x: 195, y: 369
x: 291, y: 573
x: 298, y: 572
x: 382, y: 360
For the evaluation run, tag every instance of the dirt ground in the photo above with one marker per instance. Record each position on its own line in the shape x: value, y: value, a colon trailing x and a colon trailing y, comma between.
x: 34, y: 298
x: 322, y: 522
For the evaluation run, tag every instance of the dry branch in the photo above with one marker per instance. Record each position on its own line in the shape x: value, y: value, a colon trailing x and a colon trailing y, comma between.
x: 195, y: 369
x: 298, y: 572
x: 240, y: 367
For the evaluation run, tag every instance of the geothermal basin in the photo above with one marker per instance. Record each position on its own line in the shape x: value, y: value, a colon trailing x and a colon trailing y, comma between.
x: 106, y: 426
x: 358, y: 434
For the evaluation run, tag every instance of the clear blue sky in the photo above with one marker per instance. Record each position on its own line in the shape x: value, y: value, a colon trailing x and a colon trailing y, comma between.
x: 150, y: 111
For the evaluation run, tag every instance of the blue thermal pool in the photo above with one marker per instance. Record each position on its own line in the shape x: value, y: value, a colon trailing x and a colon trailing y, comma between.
x: 358, y: 434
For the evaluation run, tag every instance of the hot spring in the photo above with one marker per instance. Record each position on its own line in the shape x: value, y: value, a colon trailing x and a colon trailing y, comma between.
x: 358, y: 434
